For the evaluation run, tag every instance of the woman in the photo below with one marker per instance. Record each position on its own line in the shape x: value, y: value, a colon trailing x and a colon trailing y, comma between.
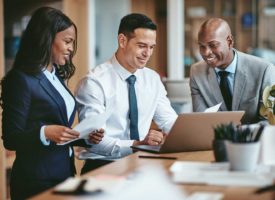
x: 38, y: 109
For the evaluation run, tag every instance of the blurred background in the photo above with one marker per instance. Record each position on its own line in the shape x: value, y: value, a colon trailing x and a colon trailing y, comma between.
x: 251, y: 21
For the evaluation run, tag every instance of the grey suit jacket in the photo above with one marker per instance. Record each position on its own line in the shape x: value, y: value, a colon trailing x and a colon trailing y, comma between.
x: 251, y: 77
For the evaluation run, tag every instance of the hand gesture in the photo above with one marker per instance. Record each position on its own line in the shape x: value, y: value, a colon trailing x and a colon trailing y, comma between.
x: 96, y: 136
x: 60, y: 134
x: 154, y: 138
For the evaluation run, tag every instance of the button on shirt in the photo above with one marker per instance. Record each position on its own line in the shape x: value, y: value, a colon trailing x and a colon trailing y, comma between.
x: 108, y: 80
x: 68, y: 99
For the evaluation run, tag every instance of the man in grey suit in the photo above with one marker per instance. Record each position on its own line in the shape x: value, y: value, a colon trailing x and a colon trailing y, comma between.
x: 226, y: 75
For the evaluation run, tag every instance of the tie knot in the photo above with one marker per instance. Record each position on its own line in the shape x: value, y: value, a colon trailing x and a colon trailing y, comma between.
x: 223, y: 74
x: 131, y: 79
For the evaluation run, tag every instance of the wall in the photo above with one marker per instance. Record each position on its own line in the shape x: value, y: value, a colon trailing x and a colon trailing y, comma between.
x: 77, y: 10
x: 107, y: 26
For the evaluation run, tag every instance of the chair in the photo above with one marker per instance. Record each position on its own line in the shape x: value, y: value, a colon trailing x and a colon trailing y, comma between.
x: 179, y: 94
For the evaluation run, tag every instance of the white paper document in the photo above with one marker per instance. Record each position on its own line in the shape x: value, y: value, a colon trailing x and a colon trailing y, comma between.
x: 216, y: 174
x: 93, y: 122
x: 205, y: 196
x: 213, y: 108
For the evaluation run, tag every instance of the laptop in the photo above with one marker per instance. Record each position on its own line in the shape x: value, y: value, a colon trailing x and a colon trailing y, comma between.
x: 193, y: 132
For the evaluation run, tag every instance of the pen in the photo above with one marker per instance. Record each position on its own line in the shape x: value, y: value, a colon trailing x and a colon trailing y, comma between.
x: 158, y: 157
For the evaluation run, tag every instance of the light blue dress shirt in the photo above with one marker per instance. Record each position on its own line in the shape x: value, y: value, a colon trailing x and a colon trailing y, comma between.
x: 231, y: 69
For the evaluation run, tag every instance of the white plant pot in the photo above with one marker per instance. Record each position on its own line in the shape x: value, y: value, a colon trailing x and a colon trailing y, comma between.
x: 243, y: 156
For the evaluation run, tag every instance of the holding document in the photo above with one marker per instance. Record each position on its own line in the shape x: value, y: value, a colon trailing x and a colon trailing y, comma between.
x: 38, y: 108
x: 91, y: 127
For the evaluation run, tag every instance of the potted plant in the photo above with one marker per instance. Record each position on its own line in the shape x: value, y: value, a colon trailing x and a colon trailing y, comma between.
x: 222, y: 133
x: 267, y: 109
x: 244, y: 148
x: 234, y: 134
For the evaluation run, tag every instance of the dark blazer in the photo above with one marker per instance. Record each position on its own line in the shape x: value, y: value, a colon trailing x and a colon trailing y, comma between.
x: 29, y: 102
x: 252, y: 75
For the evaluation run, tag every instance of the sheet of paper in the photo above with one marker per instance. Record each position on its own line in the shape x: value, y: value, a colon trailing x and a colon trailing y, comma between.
x: 213, y: 108
x: 93, y: 122
x: 205, y: 196
x: 216, y: 174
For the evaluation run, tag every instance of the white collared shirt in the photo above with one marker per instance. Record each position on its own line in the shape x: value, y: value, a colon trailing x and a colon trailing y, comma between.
x: 109, y: 79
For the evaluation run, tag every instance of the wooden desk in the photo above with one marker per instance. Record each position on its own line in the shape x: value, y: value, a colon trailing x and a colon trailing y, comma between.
x: 130, y: 163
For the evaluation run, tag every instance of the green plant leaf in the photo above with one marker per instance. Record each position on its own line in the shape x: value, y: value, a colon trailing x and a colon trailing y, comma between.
x: 272, y: 92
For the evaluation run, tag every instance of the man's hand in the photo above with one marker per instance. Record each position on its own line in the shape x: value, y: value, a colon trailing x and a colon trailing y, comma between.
x: 154, y: 138
x: 96, y: 136
x: 60, y: 134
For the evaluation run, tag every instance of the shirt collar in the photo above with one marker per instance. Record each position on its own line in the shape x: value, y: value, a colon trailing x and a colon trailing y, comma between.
x: 48, y: 74
x: 231, y: 68
x: 121, y: 71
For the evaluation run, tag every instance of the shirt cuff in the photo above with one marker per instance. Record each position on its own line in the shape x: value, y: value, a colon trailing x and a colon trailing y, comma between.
x: 43, y: 137
x: 88, y: 143
x: 125, y: 143
x: 169, y: 126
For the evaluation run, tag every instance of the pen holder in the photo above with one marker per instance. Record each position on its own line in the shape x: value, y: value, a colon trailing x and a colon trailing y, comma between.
x: 243, y: 156
x: 219, y: 150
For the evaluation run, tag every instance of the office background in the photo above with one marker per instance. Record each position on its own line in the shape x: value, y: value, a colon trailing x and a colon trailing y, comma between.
x: 178, y: 22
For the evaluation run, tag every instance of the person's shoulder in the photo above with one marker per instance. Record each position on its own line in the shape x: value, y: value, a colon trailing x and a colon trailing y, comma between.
x: 252, y: 60
x: 100, y: 70
x: 96, y: 74
x: 17, y: 74
x: 148, y: 72
x: 199, y: 67
x: 19, y: 79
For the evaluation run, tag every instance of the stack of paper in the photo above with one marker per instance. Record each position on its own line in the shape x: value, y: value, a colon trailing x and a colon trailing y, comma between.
x: 216, y: 174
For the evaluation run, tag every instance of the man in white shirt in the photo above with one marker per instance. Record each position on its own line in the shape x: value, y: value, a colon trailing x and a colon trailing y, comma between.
x: 124, y: 128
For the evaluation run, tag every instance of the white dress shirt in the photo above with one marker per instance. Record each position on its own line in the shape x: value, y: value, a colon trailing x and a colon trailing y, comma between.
x: 108, y: 80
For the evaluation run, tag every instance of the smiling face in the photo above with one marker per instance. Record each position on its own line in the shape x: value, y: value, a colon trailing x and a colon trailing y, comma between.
x: 135, y: 51
x: 216, y: 43
x: 63, y: 46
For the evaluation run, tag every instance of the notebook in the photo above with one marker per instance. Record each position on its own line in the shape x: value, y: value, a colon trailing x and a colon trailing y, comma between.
x: 193, y: 132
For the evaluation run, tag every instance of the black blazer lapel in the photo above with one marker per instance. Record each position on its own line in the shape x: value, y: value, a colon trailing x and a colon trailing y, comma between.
x: 54, y: 94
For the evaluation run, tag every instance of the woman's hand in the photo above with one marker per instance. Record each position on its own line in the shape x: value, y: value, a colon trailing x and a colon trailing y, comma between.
x: 60, y: 134
x: 96, y: 136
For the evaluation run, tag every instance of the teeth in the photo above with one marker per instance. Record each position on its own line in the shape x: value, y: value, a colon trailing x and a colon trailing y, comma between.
x: 210, y: 59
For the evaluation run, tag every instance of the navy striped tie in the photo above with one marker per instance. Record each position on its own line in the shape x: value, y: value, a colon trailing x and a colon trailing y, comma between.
x: 133, y: 112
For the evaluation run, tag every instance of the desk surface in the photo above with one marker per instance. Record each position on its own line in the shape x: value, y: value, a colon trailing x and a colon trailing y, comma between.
x: 128, y: 164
